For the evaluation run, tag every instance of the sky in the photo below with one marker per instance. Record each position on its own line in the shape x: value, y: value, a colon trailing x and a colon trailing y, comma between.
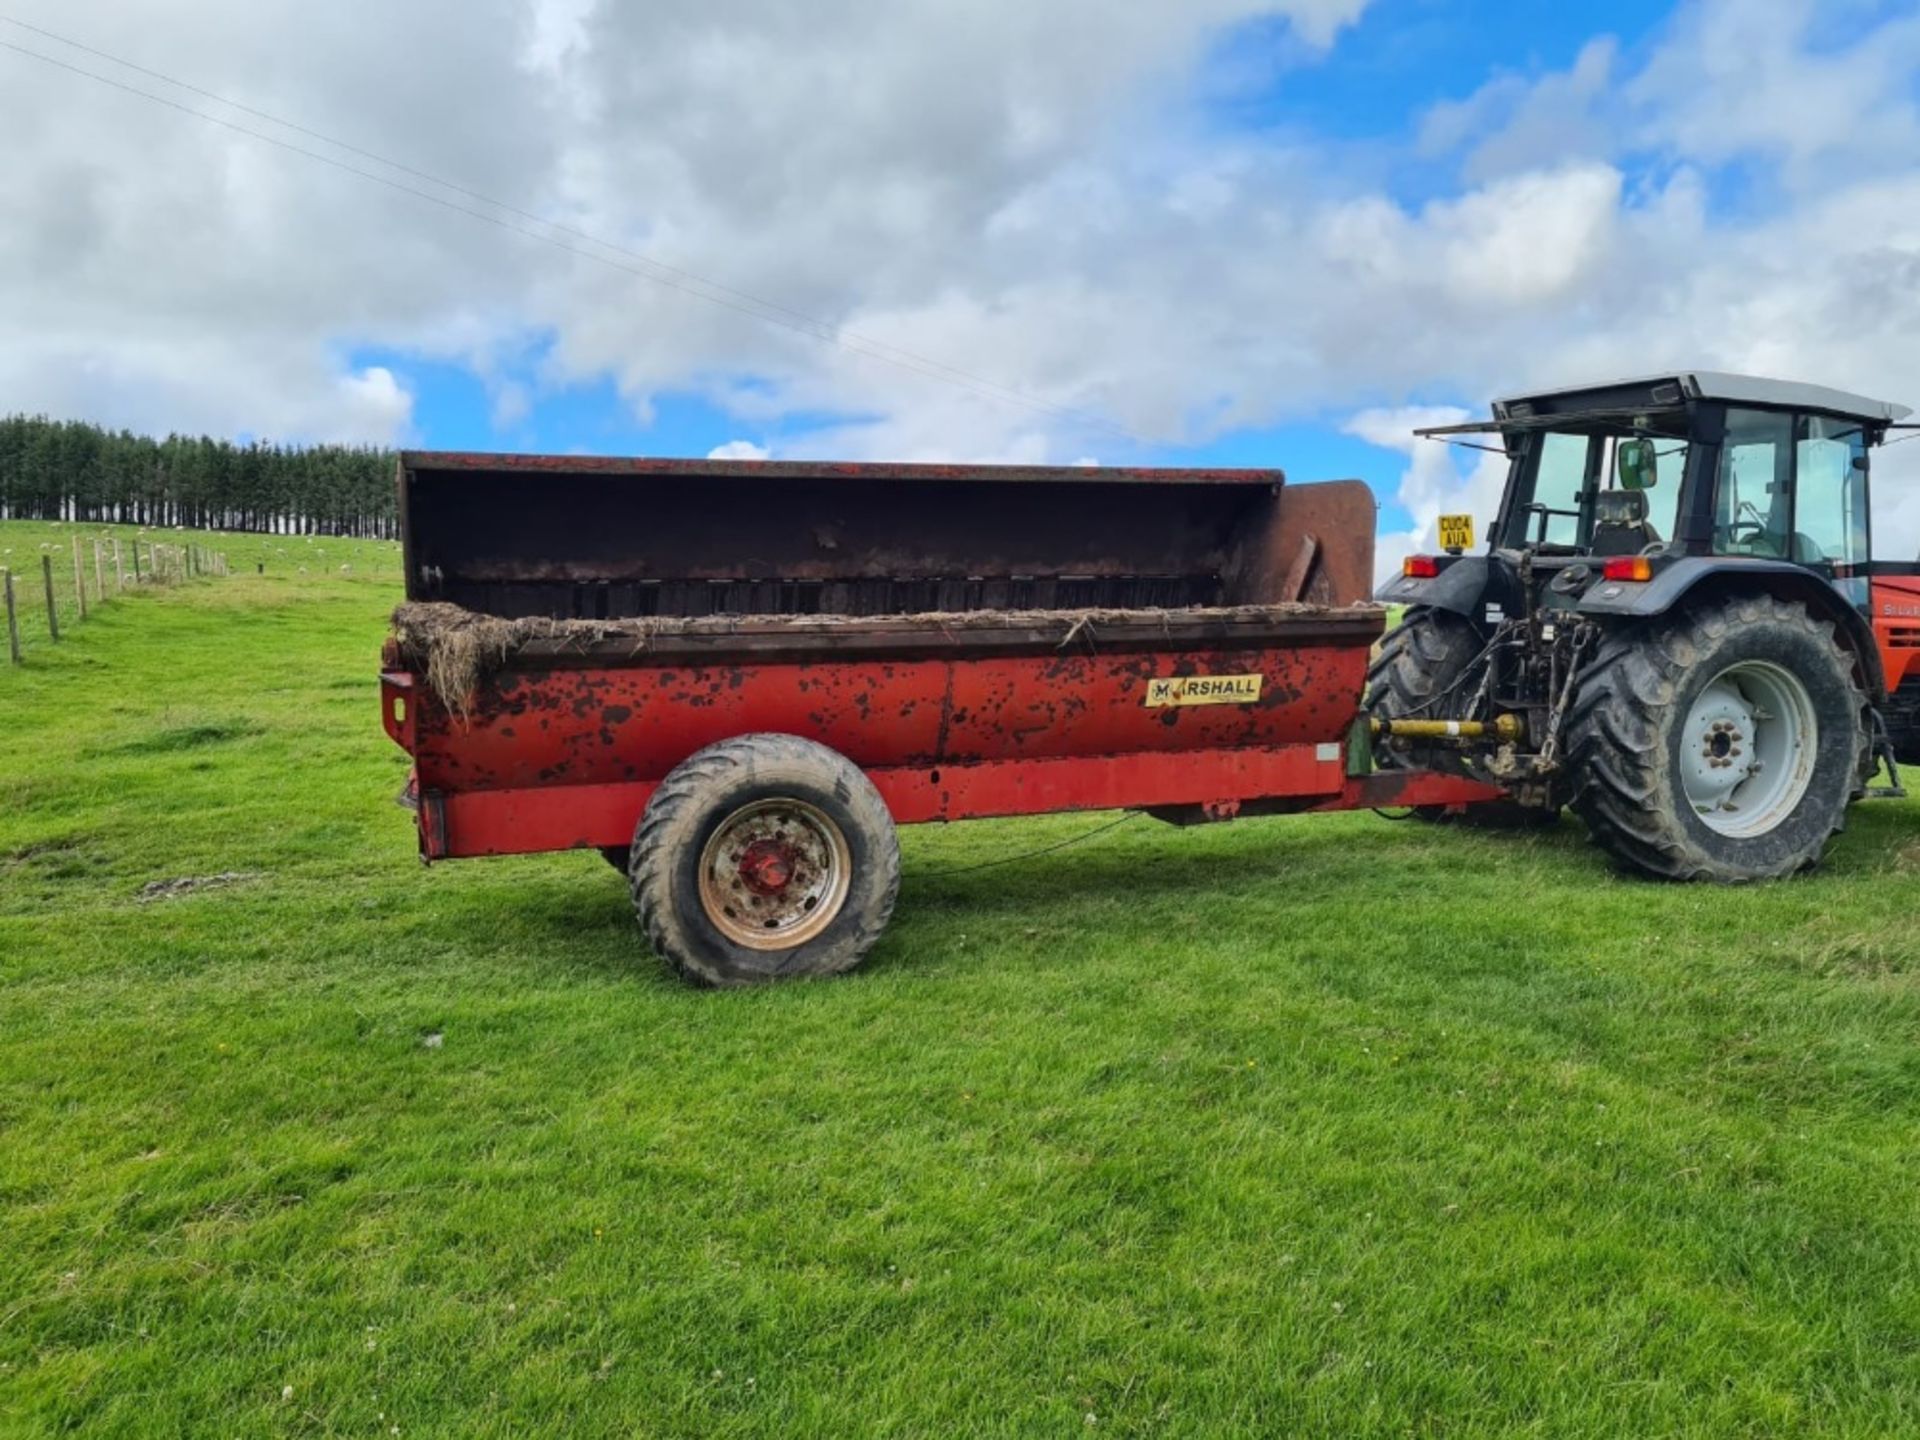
x: 1209, y: 232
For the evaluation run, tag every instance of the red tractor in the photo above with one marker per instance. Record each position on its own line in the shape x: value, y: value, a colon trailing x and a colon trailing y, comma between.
x: 1675, y: 629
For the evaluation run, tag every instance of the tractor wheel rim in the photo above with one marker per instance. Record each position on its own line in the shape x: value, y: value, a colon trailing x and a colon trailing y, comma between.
x: 1748, y: 749
x: 774, y: 874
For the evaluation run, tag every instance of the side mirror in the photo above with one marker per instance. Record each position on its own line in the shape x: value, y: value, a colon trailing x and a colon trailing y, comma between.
x: 1633, y: 463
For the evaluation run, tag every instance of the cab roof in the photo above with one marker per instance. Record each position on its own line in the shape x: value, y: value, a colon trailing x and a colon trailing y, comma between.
x: 1733, y: 389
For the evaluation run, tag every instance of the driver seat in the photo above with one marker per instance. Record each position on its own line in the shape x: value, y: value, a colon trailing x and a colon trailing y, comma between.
x: 1620, y: 523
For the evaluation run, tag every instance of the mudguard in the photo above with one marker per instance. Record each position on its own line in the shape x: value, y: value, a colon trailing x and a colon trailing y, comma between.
x: 1461, y: 586
x: 1724, y: 574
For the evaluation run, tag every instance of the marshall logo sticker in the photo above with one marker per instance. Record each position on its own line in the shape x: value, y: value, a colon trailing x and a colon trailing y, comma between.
x: 1203, y: 690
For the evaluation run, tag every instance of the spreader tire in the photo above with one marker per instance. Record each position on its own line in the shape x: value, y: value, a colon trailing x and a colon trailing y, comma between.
x: 1670, y: 717
x: 764, y: 857
x: 1414, y: 677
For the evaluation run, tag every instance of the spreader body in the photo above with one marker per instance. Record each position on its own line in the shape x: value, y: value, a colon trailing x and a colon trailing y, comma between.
x: 979, y: 641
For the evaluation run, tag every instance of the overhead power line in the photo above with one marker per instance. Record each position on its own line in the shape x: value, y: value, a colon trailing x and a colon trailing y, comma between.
x: 637, y: 263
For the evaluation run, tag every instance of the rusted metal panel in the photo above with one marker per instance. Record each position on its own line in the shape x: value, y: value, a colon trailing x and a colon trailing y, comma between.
x: 515, y: 821
x: 1238, y: 782
x: 635, y: 722
x: 568, y: 537
x: 707, y: 537
x: 759, y: 638
x: 678, y: 467
x: 1016, y: 699
x: 398, y: 712
x: 1267, y: 564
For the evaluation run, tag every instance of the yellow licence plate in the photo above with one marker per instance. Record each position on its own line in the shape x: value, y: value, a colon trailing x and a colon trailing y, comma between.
x: 1456, y: 532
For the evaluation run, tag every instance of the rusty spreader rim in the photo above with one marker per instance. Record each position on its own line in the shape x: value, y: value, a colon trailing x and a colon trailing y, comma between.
x: 774, y: 874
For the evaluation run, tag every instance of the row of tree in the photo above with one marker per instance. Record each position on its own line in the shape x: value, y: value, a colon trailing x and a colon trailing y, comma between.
x: 69, y: 470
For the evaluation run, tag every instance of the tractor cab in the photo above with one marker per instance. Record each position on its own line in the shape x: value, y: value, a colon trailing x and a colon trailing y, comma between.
x: 1694, y: 466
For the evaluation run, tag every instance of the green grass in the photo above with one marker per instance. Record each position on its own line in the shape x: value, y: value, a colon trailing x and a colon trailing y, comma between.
x: 23, y: 543
x: 1316, y: 1126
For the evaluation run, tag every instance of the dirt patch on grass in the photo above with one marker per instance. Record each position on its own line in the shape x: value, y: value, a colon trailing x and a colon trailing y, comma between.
x: 58, y: 858
x: 189, y: 884
x: 188, y: 737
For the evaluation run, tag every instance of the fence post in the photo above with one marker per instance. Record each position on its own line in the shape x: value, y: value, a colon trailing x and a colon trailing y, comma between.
x: 53, y: 615
x: 136, y: 559
x: 99, y: 574
x: 13, y: 619
x: 119, y: 569
x: 79, y: 578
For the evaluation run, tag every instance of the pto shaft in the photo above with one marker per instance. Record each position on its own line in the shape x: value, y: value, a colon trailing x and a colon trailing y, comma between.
x: 1501, y: 727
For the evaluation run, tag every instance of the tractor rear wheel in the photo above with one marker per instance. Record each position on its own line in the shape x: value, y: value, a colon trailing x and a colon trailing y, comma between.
x: 1418, y: 675
x: 1721, y: 744
x: 764, y: 857
x: 1421, y: 673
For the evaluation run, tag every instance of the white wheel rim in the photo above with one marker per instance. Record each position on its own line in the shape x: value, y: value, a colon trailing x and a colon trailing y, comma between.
x: 1747, y: 749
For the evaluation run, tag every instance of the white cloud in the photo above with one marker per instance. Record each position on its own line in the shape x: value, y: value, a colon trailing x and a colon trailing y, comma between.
x: 1530, y: 239
x: 1512, y: 124
x: 1798, y: 82
x: 374, y: 405
x: 739, y: 450
x: 512, y: 403
x: 1020, y: 192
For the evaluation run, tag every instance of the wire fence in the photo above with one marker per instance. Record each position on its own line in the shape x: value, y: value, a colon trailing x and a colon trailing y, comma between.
x: 48, y: 590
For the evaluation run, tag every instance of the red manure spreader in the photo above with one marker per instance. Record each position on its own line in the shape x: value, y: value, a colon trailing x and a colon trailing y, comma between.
x: 736, y: 678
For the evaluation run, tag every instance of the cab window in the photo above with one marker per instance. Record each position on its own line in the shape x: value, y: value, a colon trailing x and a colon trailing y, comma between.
x: 1753, y: 507
x: 1663, y: 498
x: 1558, y: 484
x: 1830, y: 492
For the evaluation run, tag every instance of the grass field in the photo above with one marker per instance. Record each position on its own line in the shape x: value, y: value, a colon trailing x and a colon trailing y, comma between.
x: 1290, y: 1127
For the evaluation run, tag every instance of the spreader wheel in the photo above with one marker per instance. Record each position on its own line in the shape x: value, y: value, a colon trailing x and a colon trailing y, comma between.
x: 764, y: 857
x: 1718, y: 745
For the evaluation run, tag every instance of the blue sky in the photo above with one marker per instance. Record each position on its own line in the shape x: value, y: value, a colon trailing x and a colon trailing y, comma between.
x: 1366, y: 96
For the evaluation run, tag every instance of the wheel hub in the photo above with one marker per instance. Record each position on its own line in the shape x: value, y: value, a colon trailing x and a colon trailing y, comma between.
x: 767, y: 866
x: 774, y: 874
x: 1748, y: 748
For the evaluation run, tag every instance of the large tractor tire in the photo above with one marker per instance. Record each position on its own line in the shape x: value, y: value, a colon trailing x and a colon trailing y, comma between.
x: 1417, y: 676
x: 764, y: 857
x: 1720, y: 744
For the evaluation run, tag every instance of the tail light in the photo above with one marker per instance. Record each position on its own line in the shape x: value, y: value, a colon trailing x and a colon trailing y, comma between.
x: 1420, y: 567
x: 1634, y: 568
